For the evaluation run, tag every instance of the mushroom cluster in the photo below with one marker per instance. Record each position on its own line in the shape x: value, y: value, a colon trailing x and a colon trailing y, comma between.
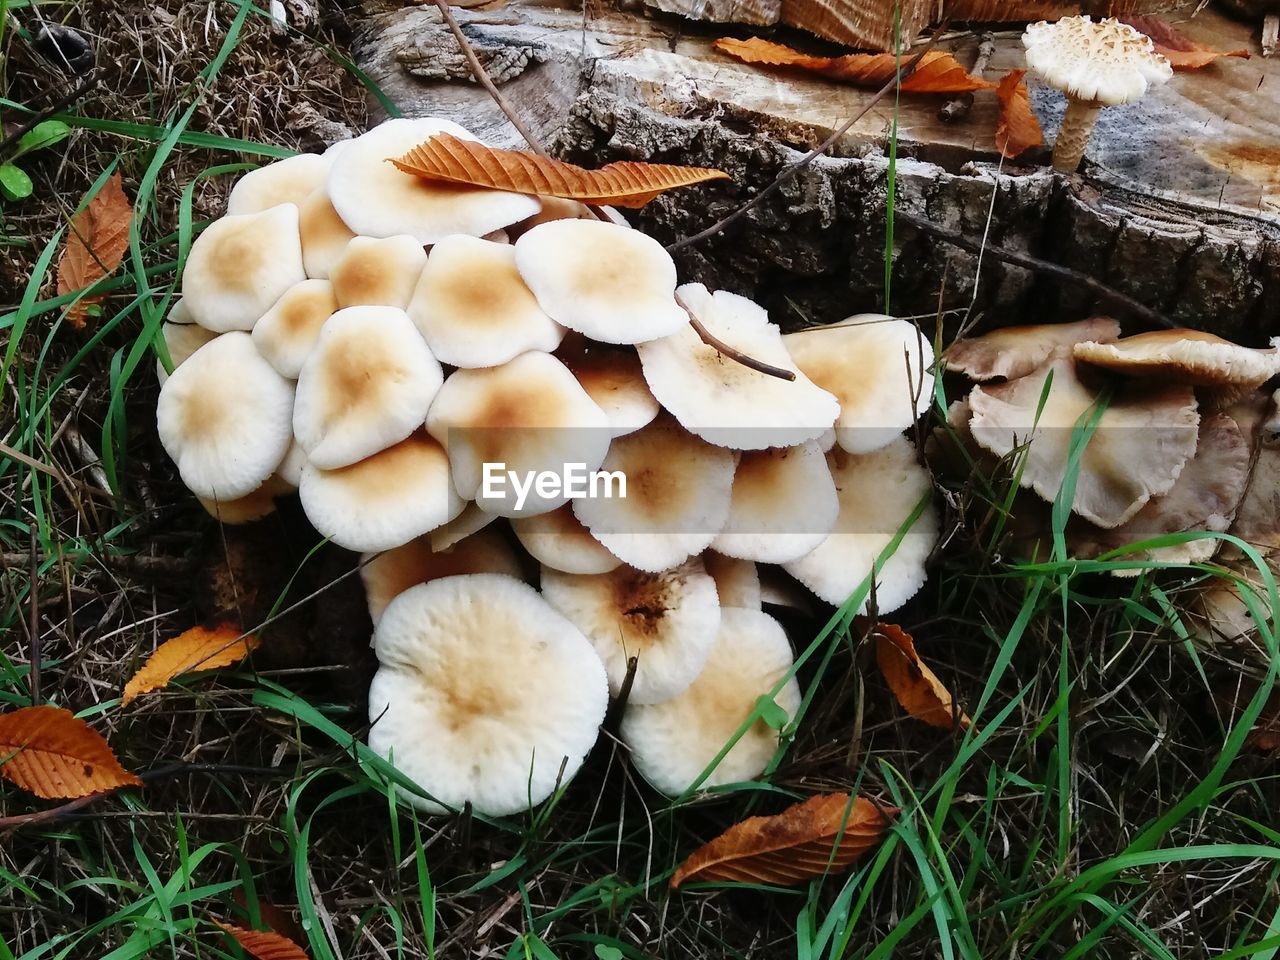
x: 412, y: 355
x: 1185, y: 443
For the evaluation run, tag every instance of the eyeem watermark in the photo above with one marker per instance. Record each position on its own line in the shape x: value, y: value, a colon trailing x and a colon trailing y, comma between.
x: 574, y: 482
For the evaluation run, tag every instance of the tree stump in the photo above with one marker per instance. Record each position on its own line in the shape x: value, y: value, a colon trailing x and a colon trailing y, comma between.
x: 1177, y: 205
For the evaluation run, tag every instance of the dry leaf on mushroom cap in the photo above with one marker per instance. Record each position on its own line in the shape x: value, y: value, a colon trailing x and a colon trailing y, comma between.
x: 879, y: 369
x: 375, y: 199
x: 388, y: 574
x: 1187, y: 356
x: 384, y: 500
x: 1012, y: 352
x: 240, y: 265
x: 672, y: 742
x: 668, y: 621
x: 510, y: 691
x: 224, y: 418
x: 678, y: 495
x: 1096, y: 65
x: 378, y: 271
x: 285, y: 181
x: 878, y: 493
x: 182, y: 337
x: 286, y: 334
x: 559, y: 540
x: 612, y: 283
x: 783, y: 505
x: 1204, y: 498
x: 1140, y: 444
x: 725, y: 402
x: 366, y: 384
x: 474, y: 310
x: 528, y: 416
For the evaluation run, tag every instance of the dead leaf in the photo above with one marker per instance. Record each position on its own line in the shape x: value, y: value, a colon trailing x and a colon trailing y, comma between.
x: 52, y: 753
x: 197, y: 649
x: 1018, y: 129
x: 624, y: 184
x: 793, y: 846
x: 937, y: 72
x: 274, y: 918
x: 1181, y: 51
x: 97, y: 238
x: 264, y: 944
x: 915, y: 686
x: 1234, y: 696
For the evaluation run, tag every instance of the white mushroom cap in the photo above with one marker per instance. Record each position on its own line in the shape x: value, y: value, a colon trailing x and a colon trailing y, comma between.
x: 723, y: 401
x: 784, y: 505
x: 560, y: 541
x: 379, y: 272
x: 1013, y: 352
x: 285, y: 181
x: 780, y: 589
x: 388, y: 574
x: 678, y: 491
x: 1204, y: 498
x: 471, y: 520
x: 376, y: 199
x: 240, y: 266
x: 737, y: 581
x: 474, y: 310
x: 1106, y: 62
x: 182, y: 338
x: 485, y: 694
x: 673, y: 742
x: 1136, y: 452
x: 528, y: 414
x: 878, y: 493
x: 384, y: 500
x: 612, y: 283
x: 223, y: 416
x: 668, y: 621
x: 252, y: 506
x: 366, y: 384
x: 1187, y: 356
x: 879, y: 368
x: 288, y: 331
x: 1219, y: 613
x: 290, y: 468
x: 614, y: 380
x: 553, y: 208
x: 324, y: 234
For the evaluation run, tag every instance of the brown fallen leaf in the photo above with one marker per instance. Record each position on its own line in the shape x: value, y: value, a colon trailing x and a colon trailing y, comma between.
x: 264, y: 944
x: 823, y: 834
x: 52, y: 753
x: 915, y: 686
x: 1023, y: 10
x: 97, y: 238
x: 937, y: 72
x: 1181, y: 51
x: 624, y: 184
x: 1018, y: 129
x: 274, y: 918
x: 197, y: 649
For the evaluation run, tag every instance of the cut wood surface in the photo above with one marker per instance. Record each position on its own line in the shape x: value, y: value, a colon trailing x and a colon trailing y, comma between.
x: 1178, y: 205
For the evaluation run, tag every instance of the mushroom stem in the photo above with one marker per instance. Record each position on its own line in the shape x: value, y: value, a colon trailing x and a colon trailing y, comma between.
x: 1073, y: 135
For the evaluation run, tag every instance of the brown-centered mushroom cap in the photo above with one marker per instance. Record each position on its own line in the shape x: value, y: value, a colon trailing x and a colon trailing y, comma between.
x: 558, y: 540
x: 378, y: 272
x: 1185, y: 356
x: 614, y: 380
x: 285, y: 181
x: 1012, y: 352
x: 288, y: 331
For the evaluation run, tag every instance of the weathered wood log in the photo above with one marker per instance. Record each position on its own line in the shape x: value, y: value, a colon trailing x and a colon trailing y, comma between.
x: 1178, y: 206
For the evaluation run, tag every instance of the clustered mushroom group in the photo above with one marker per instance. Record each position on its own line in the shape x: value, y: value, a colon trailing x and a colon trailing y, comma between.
x: 1180, y: 440
x: 379, y: 341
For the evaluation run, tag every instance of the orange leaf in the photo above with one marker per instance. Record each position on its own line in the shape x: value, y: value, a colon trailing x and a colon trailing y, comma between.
x: 1182, y: 52
x: 937, y: 72
x: 1018, y: 130
x: 52, y: 753
x: 916, y: 687
x: 625, y: 184
x: 824, y: 834
x: 96, y: 241
x: 200, y: 648
x: 264, y: 945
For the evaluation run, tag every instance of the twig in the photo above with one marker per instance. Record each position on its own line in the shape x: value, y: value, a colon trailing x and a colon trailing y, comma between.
x: 83, y: 87
x: 129, y: 564
x: 791, y: 171
x: 33, y: 669
x: 619, y: 704
x: 482, y: 77
x: 959, y: 108
x: 1036, y: 265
